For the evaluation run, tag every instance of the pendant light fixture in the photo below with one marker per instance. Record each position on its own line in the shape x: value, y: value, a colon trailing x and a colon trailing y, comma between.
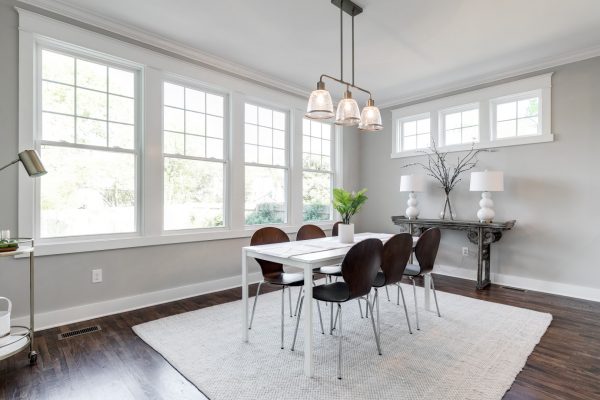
x: 320, y: 105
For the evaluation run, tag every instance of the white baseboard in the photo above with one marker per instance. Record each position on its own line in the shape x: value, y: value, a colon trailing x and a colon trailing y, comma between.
x: 562, y: 289
x: 51, y: 319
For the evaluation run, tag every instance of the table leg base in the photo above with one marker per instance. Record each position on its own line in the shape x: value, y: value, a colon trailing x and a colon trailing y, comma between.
x: 483, y: 284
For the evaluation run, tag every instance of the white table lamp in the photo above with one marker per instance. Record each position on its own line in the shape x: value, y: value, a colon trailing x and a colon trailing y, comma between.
x: 486, y: 182
x: 412, y: 184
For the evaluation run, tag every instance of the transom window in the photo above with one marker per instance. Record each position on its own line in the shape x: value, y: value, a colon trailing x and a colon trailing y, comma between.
x: 517, y: 117
x: 194, y: 162
x: 415, y: 132
x: 317, y: 177
x: 88, y: 144
x: 461, y: 126
x: 266, y: 159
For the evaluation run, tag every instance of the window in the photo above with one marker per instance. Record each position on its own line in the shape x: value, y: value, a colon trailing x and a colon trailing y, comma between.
x: 194, y: 163
x: 509, y: 114
x: 415, y: 132
x: 460, y: 126
x: 317, y: 176
x: 265, y: 149
x: 516, y: 117
x: 88, y: 145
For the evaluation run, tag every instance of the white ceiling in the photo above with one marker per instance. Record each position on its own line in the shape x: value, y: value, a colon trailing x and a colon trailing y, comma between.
x: 403, y: 47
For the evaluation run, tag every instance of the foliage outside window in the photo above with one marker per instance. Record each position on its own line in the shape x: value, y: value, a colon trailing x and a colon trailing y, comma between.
x: 194, y: 163
x: 265, y: 152
x: 88, y: 144
x: 317, y: 177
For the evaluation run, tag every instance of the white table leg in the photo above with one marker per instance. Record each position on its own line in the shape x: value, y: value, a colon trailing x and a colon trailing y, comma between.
x: 308, y: 322
x: 427, y: 291
x: 244, y: 296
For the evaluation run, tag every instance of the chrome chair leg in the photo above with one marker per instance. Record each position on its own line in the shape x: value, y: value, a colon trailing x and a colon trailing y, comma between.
x: 387, y: 292
x: 398, y: 295
x: 340, y: 343
x: 282, y: 312
x: 416, y: 304
x: 290, y: 299
x: 335, y: 319
x: 360, y: 309
x: 297, y: 322
x: 370, y: 305
x: 254, y: 306
x: 320, y: 317
x: 367, y: 311
x: 435, y: 296
x: 298, y: 300
x: 405, y: 309
x: 331, y: 319
x: 376, y: 301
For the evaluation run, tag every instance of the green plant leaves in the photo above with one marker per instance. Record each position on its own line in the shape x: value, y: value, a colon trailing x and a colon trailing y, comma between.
x: 348, y: 204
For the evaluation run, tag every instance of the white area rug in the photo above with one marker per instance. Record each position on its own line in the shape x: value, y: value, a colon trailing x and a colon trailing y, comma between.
x: 474, y: 351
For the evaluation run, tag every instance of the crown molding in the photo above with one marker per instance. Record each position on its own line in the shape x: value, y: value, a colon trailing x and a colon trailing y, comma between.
x: 523, y: 69
x: 202, y: 58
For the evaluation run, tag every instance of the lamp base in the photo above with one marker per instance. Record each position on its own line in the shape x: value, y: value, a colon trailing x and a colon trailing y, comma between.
x: 486, y: 212
x: 412, y: 212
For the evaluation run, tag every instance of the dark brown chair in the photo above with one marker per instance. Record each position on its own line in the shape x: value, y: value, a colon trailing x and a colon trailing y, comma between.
x: 334, y: 230
x: 396, y: 253
x: 308, y: 231
x: 273, y: 273
x: 426, y: 252
x: 359, y: 269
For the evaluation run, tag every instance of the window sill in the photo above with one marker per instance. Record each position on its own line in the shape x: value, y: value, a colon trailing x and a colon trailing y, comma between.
x: 92, y: 245
x: 489, y: 145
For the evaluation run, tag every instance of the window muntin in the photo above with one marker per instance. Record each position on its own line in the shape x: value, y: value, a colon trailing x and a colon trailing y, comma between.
x: 516, y: 117
x: 415, y: 132
x: 87, y: 131
x: 266, y: 159
x: 317, y: 175
x: 461, y: 126
x: 194, y: 158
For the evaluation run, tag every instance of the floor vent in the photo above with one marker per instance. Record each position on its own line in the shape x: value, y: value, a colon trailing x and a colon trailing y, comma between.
x: 514, y: 288
x: 79, y: 332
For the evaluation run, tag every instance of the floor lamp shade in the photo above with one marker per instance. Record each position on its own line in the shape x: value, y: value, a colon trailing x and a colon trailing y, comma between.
x: 32, y: 163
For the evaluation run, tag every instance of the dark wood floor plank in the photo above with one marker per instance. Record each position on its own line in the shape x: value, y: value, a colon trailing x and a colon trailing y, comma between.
x: 115, y: 363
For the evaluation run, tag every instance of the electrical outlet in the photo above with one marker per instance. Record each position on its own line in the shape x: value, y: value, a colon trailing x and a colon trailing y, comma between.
x: 97, y: 275
x: 465, y: 251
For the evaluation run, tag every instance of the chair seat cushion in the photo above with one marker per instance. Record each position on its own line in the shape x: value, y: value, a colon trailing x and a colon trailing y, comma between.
x: 334, y: 270
x: 412, y: 270
x: 379, y: 280
x: 337, y: 292
x: 285, y: 278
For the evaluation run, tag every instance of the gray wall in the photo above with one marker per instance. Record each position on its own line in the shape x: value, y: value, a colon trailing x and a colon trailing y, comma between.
x: 551, y: 189
x: 64, y: 281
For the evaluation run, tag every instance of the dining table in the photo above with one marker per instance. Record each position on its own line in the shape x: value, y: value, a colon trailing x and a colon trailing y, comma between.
x: 305, y: 255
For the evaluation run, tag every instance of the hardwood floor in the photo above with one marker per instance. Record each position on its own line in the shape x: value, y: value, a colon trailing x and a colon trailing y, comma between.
x: 116, y: 364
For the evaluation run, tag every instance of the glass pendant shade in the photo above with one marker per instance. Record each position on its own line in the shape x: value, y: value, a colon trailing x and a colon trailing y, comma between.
x: 347, y: 113
x: 320, y: 105
x: 370, y: 118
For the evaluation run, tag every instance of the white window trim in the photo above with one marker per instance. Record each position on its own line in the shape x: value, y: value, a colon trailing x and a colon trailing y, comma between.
x: 35, y: 28
x: 441, y: 134
x: 399, y: 143
x: 484, y: 97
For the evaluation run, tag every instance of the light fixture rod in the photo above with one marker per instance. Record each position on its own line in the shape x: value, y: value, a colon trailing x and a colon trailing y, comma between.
x: 342, y: 40
x: 352, y: 50
x: 343, y: 82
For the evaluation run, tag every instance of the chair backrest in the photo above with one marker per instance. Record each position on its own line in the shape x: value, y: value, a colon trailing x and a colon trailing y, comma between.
x: 309, y: 231
x: 395, y: 256
x: 360, y: 266
x: 334, y: 230
x: 427, y: 248
x: 269, y: 235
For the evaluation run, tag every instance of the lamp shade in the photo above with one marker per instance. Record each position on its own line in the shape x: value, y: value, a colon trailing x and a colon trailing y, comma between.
x: 347, y: 113
x: 412, y: 183
x: 32, y: 163
x: 370, y: 118
x: 487, y: 181
x: 319, y: 105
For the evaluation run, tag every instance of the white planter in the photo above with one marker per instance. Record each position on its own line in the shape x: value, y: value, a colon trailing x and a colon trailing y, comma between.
x: 346, y: 233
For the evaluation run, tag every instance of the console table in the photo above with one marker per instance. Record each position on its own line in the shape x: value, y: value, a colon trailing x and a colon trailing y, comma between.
x: 480, y: 233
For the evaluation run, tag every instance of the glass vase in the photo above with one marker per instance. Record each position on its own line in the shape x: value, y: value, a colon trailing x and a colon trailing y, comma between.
x: 447, y: 210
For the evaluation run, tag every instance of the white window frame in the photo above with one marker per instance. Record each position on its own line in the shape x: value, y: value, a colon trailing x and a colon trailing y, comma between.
x: 441, y: 134
x: 515, y: 98
x: 288, y: 158
x: 399, y: 144
x: 193, y: 84
x: 333, y: 165
x: 35, y: 29
x: 485, y: 97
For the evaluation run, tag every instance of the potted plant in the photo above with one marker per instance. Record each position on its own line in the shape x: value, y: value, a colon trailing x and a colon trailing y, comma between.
x: 347, y: 204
